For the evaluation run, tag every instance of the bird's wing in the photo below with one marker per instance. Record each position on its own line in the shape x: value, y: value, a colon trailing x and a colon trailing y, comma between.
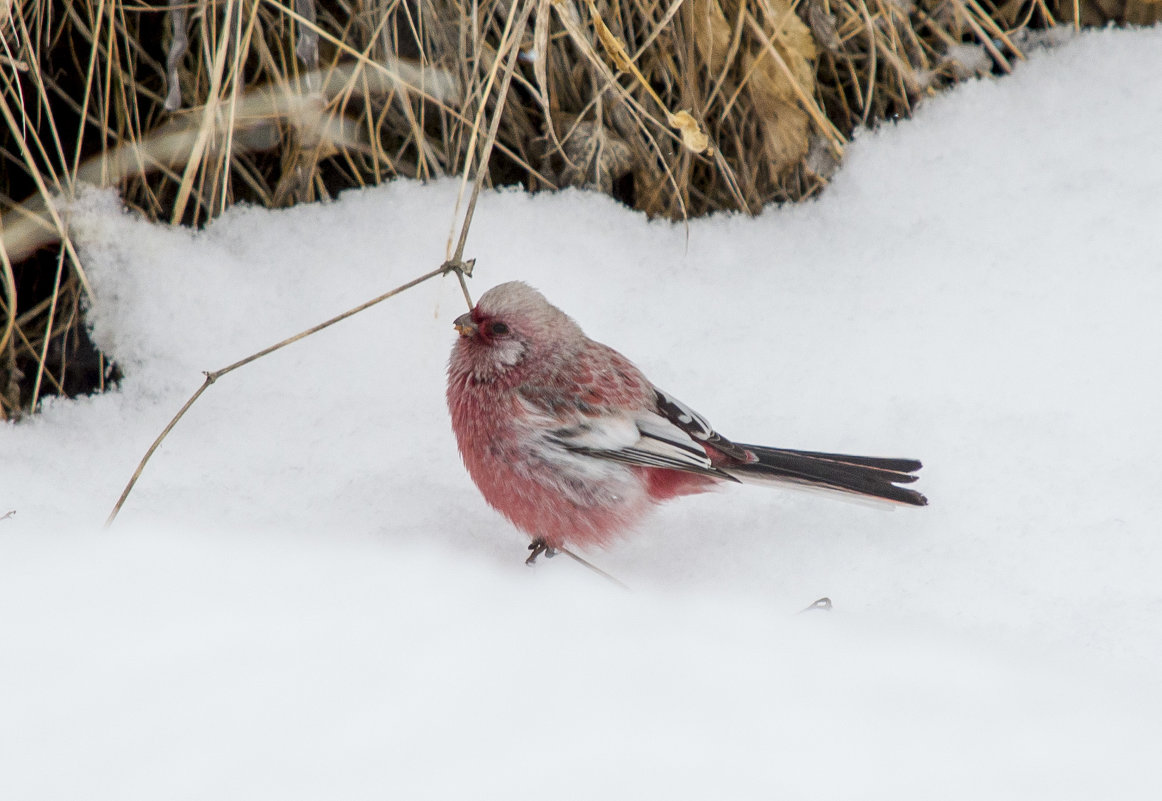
x: 697, y: 427
x: 639, y: 437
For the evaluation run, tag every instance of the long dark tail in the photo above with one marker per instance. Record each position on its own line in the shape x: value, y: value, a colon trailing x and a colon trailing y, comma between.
x: 863, y: 475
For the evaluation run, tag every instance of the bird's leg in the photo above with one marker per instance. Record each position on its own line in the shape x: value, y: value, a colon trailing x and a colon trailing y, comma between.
x: 538, y: 547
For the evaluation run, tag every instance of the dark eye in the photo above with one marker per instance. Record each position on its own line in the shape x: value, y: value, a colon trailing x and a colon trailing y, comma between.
x: 498, y: 328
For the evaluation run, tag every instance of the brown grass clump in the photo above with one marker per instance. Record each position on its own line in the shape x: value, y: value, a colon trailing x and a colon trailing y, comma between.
x: 678, y: 108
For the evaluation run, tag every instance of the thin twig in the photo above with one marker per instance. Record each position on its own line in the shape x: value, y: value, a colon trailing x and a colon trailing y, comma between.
x: 214, y: 376
x: 463, y: 270
x: 56, y: 289
x: 871, y: 70
x: 593, y: 567
x: 987, y: 41
x: 482, y: 164
x: 8, y: 279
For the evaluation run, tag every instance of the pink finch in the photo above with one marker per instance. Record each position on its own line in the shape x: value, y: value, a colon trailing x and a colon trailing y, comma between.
x: 569, y: 441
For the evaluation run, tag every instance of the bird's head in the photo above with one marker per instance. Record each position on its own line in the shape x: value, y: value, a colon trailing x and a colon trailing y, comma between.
x: 511, y: 323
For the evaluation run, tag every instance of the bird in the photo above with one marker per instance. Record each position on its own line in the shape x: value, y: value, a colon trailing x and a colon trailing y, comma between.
x: 570, y: 441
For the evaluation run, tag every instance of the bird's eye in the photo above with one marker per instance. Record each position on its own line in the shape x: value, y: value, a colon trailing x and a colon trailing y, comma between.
x: 498, y: 328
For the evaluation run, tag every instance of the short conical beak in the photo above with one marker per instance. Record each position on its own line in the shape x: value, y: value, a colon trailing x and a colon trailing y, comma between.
x: 464, y: 325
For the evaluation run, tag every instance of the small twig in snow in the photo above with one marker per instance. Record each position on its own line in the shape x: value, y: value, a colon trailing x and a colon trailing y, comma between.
x: 822, y: 605
x: 513, y: 37
x: 594, y: 568
x: 214, y: 376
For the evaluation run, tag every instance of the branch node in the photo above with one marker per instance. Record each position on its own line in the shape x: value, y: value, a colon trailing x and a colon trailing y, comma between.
x: 457, y: 266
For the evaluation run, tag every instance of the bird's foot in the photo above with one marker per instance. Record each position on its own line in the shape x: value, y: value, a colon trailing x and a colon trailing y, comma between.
x: 538, y: 547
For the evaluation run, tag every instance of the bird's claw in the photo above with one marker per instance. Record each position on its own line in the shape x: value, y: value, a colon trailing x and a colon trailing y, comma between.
x: 538, y: 547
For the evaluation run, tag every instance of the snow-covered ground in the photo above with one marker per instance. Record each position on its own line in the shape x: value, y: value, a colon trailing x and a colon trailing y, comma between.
x: 305, y: 596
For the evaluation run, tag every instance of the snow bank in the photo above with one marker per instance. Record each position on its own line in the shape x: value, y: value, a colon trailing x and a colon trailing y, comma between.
x: 305, y: 596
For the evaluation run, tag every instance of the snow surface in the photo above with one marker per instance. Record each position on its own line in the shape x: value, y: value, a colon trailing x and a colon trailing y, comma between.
x: 305, y: 596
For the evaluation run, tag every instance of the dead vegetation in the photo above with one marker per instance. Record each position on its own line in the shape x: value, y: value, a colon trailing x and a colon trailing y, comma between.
x: 676, y: 107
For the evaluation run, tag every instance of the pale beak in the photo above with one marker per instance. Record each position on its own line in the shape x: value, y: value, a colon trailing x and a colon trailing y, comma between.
x: 464, y: 325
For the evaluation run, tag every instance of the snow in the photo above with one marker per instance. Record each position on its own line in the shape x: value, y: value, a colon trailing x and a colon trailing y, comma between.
x: 306, y: 597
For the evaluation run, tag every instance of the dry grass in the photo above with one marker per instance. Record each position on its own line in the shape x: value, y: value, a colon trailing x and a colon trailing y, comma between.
x: 677, y: 107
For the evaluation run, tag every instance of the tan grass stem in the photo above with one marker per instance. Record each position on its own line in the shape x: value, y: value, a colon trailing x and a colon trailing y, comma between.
x: 211, y: 377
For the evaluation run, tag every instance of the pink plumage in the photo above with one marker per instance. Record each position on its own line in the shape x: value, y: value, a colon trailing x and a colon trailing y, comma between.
x: 572, y: 443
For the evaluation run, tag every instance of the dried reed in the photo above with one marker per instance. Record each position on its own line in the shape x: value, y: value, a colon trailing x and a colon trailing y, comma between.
x: 679, y: 108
